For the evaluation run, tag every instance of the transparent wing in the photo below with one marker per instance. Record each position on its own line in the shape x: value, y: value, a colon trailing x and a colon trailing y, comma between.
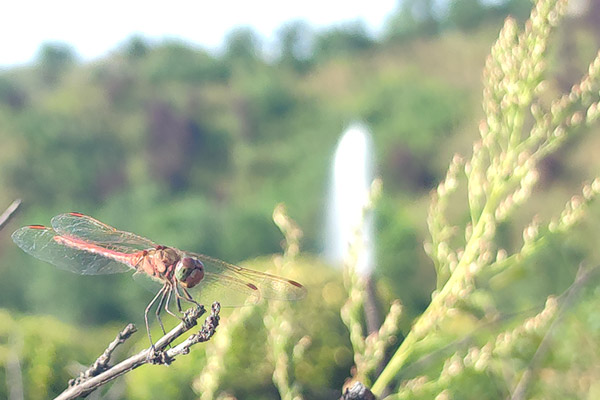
x: 149, y: 282
x: 91, y: 230
x: 269, y: 286
x: 44, y: 243
x: 228, y: 291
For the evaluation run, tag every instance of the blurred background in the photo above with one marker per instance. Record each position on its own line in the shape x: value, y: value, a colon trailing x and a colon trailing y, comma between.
x: 189, y: 124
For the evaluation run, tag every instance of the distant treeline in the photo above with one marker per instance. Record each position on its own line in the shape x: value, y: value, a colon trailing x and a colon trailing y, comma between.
x: 300, y: 45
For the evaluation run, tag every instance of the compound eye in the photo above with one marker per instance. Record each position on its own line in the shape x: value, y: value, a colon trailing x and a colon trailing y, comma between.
x: 189, y: 272
x: 189, y: 262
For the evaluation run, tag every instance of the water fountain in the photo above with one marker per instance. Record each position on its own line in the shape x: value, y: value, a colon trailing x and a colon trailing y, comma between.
x: 352, y: 175
x: 347, y: 221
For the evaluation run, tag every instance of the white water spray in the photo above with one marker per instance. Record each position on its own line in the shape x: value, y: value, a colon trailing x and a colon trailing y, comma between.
x: 349, y: 193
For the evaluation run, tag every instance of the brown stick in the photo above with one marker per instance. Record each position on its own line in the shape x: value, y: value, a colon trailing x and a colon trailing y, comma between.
x: 5, y: 217
x: 83, y: 385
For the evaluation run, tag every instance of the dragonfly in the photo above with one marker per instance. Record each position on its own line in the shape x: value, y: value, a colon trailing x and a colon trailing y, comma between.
x: 81, y: 244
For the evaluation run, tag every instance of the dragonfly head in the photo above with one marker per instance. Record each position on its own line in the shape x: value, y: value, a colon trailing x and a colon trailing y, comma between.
x: 189, y: 271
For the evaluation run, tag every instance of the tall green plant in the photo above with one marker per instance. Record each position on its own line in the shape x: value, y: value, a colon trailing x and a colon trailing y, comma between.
x: 518, y: 131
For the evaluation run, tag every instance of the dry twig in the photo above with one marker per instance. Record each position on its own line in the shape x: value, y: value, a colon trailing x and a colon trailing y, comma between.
x: 101, y: 373
x: 9, y: 212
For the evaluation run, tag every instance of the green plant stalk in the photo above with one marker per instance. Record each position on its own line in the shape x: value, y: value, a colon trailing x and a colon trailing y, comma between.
x: 404, y: 351
x: 500, y: 188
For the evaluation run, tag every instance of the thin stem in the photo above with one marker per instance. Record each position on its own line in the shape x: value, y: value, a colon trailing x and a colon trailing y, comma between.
x: 9, y: 212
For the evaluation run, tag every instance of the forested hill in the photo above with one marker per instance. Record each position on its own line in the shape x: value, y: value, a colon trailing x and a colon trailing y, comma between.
x: 196, y: 149
x: 220, y: 139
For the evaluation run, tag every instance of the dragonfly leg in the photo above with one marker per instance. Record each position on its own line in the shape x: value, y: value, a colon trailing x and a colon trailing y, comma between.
x: 166, y: 295
x: 167, y: 305
x: 160, y: 292
x: 178, y: 297
x: 179, y: 304
x: 190, y: 298
x: 186, y: 296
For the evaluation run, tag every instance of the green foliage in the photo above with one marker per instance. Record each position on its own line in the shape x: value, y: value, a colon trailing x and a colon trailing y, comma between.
x: 405, y: 141
x: 517, y: 132
x: 413, y: 18
x: 84, y: 141
x: 295, y: 43
x: 38, y: 361
x: 176, y: 61
x: 11, y: 94
x: 243, y: 47
x: 136, y: 47
x: 194, y: 150
x: 397, y: 258
x: 466, y: 14
x: 54, y: 59
x: 342, y: 41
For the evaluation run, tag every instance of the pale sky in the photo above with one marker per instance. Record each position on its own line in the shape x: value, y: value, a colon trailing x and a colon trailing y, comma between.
x: 94, y: 28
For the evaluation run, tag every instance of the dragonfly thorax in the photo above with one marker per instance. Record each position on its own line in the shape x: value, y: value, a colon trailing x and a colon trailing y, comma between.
x: 189, y: 271
x: 158, y: 262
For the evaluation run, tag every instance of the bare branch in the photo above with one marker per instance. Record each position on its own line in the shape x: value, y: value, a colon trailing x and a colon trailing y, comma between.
x: 13, y: 368
x: 101, y: 363
x: 100, y: 373
x: 205, y: 333
x: 5, y: 217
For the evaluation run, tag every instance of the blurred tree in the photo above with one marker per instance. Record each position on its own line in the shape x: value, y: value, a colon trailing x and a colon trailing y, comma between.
x: 55, y: 58
x: 415, y: 18
x: 243, y: 46
x: 410, y: 169
x: 118, y: 81
x: 175, y: 60
x: 400, y: 258
x: 466, y: 14
x: 136, y: 47
x: 63, y: 158
x: 12, y: 94
x: 348, y: 38
x: 296, y: 40
x: 172, y: 141
x: 394, y: 106
x: 593, y: 16
x: 518, y: 9
x: 412, y: 18
x: 184, y: 150
x: 265, y: 99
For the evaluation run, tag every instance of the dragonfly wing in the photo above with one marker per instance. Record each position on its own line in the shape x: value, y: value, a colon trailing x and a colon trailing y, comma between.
x: 91, y: 230
x: 41, y: 242
x: 149, y: 282
x: 270, y: 286
x: 228, y: 291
